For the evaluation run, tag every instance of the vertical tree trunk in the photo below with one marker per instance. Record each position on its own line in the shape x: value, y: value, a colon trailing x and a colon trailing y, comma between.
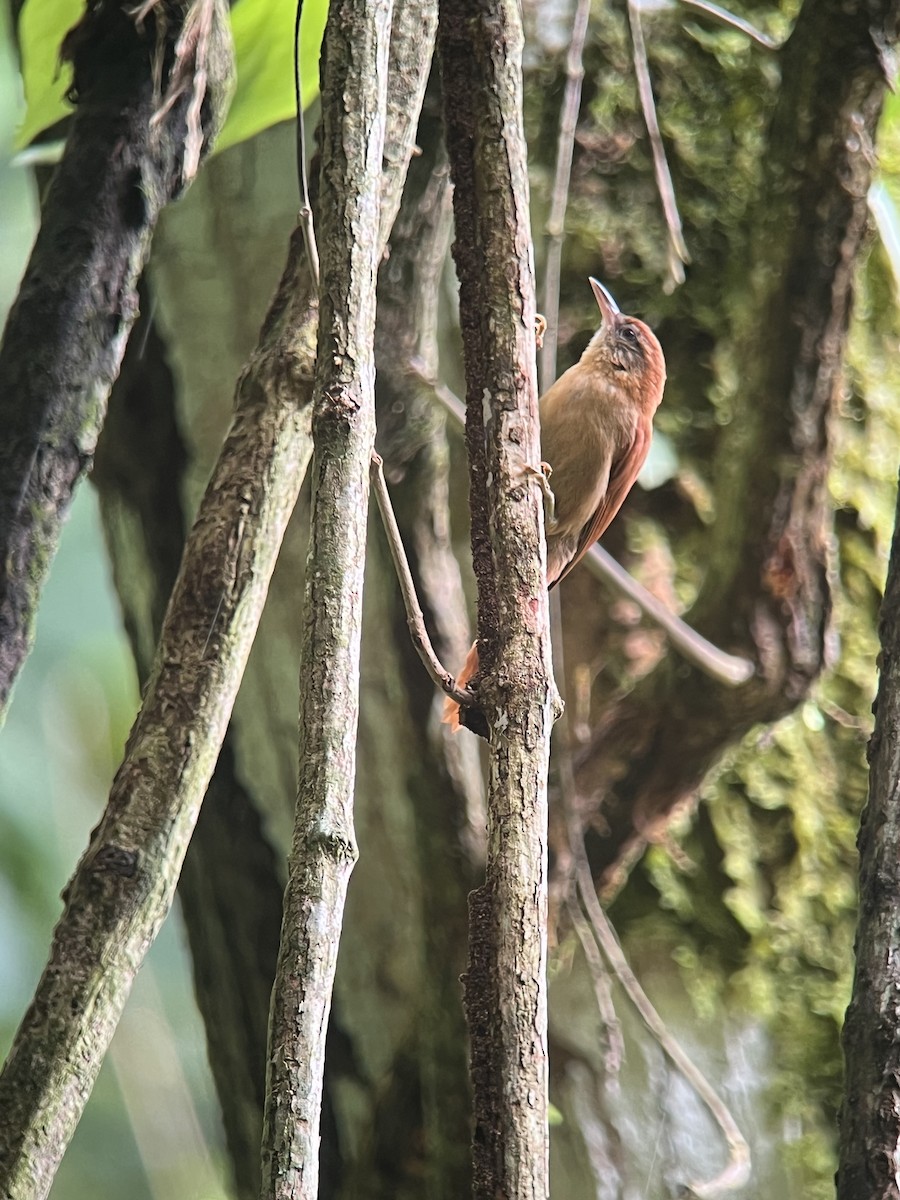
x: 505, y: 987
x: 870, y: 1116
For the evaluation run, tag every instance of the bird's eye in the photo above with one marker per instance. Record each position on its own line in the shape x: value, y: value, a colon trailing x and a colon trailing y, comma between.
x: 629, y: 334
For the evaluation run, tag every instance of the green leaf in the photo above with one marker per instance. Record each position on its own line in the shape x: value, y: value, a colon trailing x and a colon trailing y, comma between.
x: 264, y: 47
x: 42, y: 26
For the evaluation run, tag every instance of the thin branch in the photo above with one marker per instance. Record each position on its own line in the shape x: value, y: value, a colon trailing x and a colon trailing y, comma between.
x: 562, y: 750
x: 614, y: 1051
x: 414, y: 617
x: 306, y: 213
x: 728, y: 18
x: 678, y: 251
x: 556, y: 220
x: 729, y: 669
x: 323, y: 851
x: 125, y: 883
x: 737, y: 1170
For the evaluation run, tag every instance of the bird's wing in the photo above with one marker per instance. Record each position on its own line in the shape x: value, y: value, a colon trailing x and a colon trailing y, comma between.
x: 623, y: 473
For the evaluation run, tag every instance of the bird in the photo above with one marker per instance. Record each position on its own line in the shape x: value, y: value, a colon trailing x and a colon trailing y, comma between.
x: 596, y: 425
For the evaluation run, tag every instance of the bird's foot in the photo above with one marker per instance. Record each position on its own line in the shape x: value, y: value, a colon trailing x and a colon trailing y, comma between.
x: 540, y: 328
x: 542, y: 478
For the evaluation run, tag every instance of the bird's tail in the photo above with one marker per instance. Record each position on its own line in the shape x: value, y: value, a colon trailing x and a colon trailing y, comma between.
x: 451, y: 707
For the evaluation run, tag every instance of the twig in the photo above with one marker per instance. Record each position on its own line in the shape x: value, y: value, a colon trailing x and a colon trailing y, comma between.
x: 729, y: 669
x: 556, y: 220
x: 737, y: 1170
x: 728, y: 18
x: 414, y: 616
x: 614, y: 1055
x: 439, y: 390
x: 306, y: 212
x: 678, y: 251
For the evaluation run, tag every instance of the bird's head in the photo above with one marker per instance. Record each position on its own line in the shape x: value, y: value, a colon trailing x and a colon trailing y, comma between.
x: 627, y: 349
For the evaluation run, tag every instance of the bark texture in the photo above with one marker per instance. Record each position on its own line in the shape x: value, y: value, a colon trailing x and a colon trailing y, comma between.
x: 229, y: 889
x: 396, y: 1091
x: 354, y: 95
x: 124, y: 885
x: 505, y: 985
x: 67, y: 330
x: 870, y: 1116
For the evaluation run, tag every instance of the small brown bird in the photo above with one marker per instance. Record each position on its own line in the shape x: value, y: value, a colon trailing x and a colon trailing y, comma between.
x: 596, y: 424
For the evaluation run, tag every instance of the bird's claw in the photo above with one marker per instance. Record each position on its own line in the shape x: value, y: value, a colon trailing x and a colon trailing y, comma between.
x: 540, y: 328
x: 542, y: 478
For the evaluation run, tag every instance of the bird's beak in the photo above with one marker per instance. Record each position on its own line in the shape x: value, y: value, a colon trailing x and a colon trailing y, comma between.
x: 608, y: 306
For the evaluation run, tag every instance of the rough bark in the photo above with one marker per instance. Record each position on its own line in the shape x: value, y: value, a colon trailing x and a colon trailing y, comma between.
x: 505, y: 985
x: 229, y: 888
x: 67, y: 330
x: 765, y: 593
x: 354, y: 96
x: 870, y: 1115
x: 124, y: 885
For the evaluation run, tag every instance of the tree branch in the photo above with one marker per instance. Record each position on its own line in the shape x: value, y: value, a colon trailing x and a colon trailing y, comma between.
x: 354, y: 108
x: 126, y: 156
x: 124, y: 885
x: 729, y: 669
x: 415, y: 618
x: 505, y: 992
x: 230, y: 890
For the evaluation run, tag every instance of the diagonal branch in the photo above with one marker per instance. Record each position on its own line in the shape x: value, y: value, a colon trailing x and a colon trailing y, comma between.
x: 736, y: 1171
x: 729, y: 669
x: 63, y: 345
x: 125, y: 883
x: 414, y: 616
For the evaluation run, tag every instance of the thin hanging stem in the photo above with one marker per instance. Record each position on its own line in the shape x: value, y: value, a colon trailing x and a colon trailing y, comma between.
x: 737, y: 1170
x: 306, y: 213
x: 568, y: 119
x: 728, y: 18
x: 678, y: 251
x: 414, y: 617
